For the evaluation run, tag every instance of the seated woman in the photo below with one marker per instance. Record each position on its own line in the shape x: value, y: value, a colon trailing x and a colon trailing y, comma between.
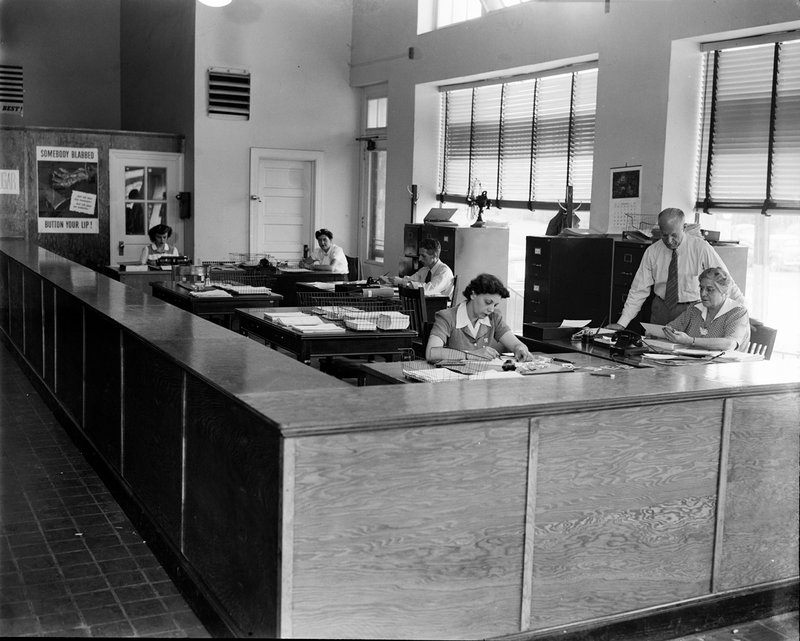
x: 328, y: 254
x: 158, y: 246
x: 716, y: 322
x: 474, y: 328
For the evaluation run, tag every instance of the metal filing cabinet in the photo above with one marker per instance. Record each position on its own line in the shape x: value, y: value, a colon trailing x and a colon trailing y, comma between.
x: 567, y: 277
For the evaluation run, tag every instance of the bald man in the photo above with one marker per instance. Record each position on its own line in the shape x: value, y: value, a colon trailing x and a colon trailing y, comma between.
x: 693, y: 255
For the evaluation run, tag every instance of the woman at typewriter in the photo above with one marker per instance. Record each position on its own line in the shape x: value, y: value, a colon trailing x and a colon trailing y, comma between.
x: 475, y: 330
x: 158, y: 247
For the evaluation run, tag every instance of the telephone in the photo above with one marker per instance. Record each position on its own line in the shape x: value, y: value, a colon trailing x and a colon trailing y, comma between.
x: 626, y: 338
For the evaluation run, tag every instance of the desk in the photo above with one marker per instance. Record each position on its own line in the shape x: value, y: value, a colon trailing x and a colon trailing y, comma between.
x: 139, y: 280
x: 392, y: 373
x: 286, y: 281
x: 379, y: 342
x: 212, y: 308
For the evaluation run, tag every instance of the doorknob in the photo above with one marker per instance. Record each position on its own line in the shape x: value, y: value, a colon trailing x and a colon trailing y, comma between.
x: 255, y: 197
x: 121, y: 248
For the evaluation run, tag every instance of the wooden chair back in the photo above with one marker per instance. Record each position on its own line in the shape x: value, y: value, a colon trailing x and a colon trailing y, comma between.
x: 454, y: 293
x: 413, y: 302
x: 762, y: 339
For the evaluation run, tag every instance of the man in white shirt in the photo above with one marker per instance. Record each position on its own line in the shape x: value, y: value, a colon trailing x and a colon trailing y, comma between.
x: 692, y: 255
x: 434, y: 276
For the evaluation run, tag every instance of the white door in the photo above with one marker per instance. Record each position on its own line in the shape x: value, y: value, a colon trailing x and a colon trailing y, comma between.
x: 284, y: 188
x: 143, y: 187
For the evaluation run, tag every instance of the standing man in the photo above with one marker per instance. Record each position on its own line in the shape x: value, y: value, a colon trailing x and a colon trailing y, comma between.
x: 671, y: 268
x: 434, y: 276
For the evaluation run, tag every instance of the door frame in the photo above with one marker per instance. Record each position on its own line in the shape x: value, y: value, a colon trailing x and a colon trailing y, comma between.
x: 117, y: 159
x: 257, y: 154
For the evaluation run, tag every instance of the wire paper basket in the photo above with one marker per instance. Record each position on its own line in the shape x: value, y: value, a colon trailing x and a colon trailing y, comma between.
x: 444, y: 371
x: 355, y: 312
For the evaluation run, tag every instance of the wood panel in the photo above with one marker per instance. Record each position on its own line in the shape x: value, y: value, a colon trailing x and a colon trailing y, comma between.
x: 16, y: 326
x: 413, y: 533
x: 625, y: 508
x: 152, y: 456
x: 231, y: 530
x: 69, y: 354
x: 103, y: 389
x: 49, y: 322
x: 4, y: 261
x: 15, y: 206
x: 760, y: 538
x: 32, y: 299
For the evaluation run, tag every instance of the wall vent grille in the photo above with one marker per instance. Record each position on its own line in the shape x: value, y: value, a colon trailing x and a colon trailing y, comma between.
x: 11, y: 89
x: 229, y: 93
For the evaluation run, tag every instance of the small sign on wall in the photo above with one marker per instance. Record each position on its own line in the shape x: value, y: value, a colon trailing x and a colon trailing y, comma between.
x: 67, y: 180
x: 9, y: 181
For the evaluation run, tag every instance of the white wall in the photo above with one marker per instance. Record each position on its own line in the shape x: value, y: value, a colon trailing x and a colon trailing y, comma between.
x: 636, y: 104
x: 297, y: 53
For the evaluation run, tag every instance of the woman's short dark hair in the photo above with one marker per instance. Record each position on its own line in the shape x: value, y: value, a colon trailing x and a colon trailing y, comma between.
x: 159, y: 230
x: 323, y: 232
x: 486, y: 284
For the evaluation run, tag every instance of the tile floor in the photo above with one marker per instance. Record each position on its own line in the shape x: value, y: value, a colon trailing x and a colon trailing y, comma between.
x: 71, y: 563
x: 779, y: 628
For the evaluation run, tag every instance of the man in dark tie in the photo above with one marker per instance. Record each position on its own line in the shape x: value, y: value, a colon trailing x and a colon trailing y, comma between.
x: 671, y: 268
x: 434, y: 276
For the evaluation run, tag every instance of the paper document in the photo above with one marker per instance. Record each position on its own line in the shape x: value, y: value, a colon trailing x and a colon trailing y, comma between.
x: 652, y: 329
x: 577, y: 324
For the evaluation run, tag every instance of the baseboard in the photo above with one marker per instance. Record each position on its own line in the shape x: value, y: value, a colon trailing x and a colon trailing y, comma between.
x: 682, y: 618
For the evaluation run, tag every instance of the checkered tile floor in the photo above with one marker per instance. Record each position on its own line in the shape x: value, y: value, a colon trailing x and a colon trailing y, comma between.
x: 71, y: 563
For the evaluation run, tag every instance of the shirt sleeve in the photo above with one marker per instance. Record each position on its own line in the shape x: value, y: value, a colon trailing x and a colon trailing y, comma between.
x: 681, y: 323
x: 737, y: 325
x: 500, y: 327
x: 144, y: 255
x: 338, y: 261
x: 442, y: 327
x: 641, y: 287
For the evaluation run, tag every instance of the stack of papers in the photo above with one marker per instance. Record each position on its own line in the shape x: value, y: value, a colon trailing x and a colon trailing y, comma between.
x: 298, y: 319
x: 245, y: 289
x: 322, y: 328
x: 393, y: 320
x: 435, y: 375
x: 360, y: 325
x: 211, y: 293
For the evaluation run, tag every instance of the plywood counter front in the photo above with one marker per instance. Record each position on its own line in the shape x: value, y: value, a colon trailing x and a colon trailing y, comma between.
x: 302, y: 507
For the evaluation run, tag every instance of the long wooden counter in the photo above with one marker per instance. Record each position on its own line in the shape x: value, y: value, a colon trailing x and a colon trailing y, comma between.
x: 300, y: 506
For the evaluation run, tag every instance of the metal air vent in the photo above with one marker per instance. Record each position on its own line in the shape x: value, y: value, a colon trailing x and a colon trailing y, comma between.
x: 11, y: 90
x: 228, y: 93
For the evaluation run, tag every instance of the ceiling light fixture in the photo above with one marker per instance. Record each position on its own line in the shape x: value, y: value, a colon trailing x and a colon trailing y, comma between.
x: 215, y: 3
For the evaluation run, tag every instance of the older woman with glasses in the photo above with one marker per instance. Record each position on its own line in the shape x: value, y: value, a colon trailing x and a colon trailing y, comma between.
x: 716, y: 322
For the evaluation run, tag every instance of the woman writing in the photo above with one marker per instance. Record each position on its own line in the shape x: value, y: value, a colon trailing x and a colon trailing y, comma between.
x: 716, y: 322
x: 474, y: 328
x: 158, y: 246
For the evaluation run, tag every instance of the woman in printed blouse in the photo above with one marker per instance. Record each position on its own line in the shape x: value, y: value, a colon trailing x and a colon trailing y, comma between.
x: 716, y: 322
x: 474, y: 328
x: 158, y: 246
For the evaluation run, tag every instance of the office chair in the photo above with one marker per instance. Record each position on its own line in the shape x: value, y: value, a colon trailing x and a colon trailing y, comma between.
x: 413, y: 302
x: 353, y: 267
x: 762, y: 339
x: 454, y: 293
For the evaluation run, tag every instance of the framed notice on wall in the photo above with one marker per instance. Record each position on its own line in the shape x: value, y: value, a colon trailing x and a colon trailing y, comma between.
x: 625, y: 207
x: 67, y: 183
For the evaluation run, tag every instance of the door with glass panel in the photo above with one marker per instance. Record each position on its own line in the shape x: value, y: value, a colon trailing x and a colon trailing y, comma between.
x: 142, y: 194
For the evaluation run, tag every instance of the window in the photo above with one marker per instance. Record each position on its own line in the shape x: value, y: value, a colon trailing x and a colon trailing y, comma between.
x: 373, y: 171
x: 523, y: 142
x: 447, y: 12
x: 748, y: 167
x: 750, y: 135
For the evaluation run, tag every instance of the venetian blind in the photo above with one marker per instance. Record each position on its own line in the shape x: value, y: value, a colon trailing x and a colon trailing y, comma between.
x: 523, y: 141
x: 750, y: 129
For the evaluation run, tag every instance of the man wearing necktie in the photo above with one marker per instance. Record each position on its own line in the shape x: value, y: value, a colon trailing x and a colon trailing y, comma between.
x: 434, y: 276
x: 670, y: 268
